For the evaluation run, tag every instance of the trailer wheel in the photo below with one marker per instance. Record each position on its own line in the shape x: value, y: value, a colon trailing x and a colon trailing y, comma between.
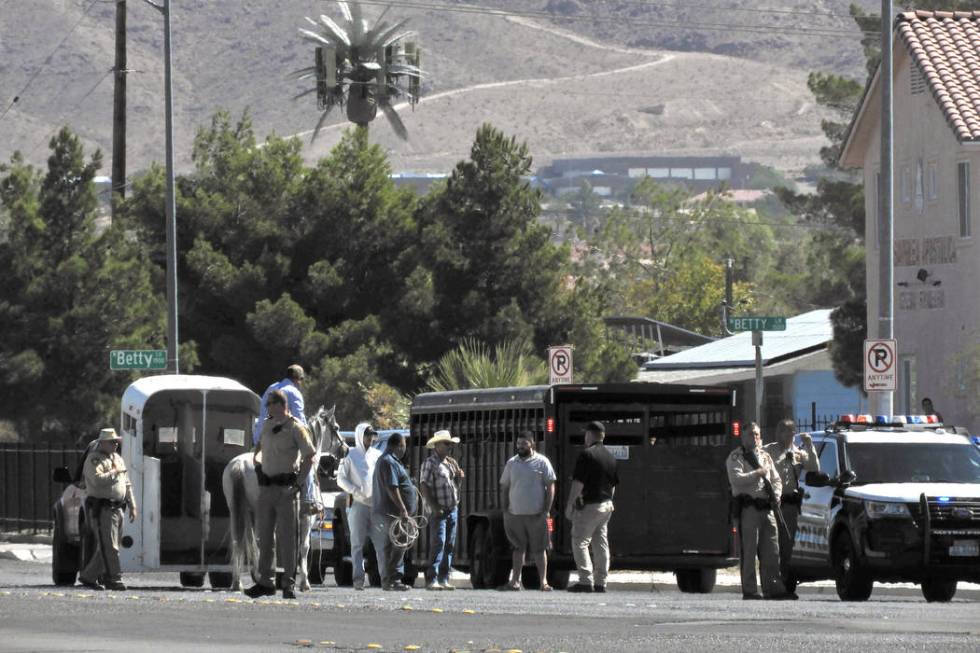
x: 940, y: 591
x: 192, y: 579
x: 475, y: 549
x: 557, y: 578
x: 343, y: 571
x: 220, y: 580
x: 371, y: 565
x: 696, y: 581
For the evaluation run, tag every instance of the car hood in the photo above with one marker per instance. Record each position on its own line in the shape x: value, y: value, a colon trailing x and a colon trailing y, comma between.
x: 910, y: 492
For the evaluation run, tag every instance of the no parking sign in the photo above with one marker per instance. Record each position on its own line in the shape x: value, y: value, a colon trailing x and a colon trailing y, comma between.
x: 880, y: 370
x: 560, y: 364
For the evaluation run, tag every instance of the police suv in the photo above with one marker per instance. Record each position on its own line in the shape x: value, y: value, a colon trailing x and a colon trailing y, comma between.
x: 897, y: 500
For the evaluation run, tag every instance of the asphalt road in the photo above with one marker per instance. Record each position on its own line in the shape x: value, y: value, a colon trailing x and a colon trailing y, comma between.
x: 156, y: 614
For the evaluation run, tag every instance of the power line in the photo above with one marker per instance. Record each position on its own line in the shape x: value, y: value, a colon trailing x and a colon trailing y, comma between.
x: 47, y: 59
x: 661, y: 25
x: 69, y: 111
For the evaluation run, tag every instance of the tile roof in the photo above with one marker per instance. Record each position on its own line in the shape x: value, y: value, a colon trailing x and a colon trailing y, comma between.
x: 946, y: 47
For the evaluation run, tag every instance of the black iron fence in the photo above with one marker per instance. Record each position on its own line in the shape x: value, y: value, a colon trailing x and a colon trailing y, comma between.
x: 25, y: 480
x: 813, y: 421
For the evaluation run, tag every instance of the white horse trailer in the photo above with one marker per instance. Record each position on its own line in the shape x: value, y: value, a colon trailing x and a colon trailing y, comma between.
x: 178, y: 433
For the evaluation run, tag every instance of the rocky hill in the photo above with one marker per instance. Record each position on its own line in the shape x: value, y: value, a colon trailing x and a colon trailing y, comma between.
x: 569, y: 76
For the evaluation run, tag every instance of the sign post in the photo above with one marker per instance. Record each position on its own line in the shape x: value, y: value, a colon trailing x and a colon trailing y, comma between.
x: 880, y: 371
x: 757, y: 324
x: 560, y: 364
x: 138, y: 359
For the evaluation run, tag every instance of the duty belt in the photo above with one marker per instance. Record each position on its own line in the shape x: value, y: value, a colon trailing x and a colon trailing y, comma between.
x: 104, y: 503
x: 759, y: 503
x: 794, y: 499
x: 286, y: 479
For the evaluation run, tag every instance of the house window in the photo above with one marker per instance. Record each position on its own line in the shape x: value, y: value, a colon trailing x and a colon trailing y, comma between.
x: 682, y: 173
x: 658, y: 173
x: 705, y: 173
x: 964, y: 204
x: 905, y: 185
x: 637, y: 173
x: 920, y: 199
x: 724, y: 173
x: 932, y: 181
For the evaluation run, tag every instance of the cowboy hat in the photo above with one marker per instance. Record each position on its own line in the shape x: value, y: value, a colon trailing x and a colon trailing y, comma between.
x: 440, y: 436
x: 106, y: 435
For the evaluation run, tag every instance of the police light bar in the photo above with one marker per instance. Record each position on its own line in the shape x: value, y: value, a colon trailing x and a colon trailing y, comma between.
x: 888, y: 420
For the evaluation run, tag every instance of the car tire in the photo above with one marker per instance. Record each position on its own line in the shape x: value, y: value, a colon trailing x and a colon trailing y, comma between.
x: 192, y: 579
x: 853, y: 582
x: 487, y: 561
x: 938, y: 591
x: 791, y: 582
x: 558, y: 578
x: 696, y: 581
x: 371, y: 570
x: 220, y: 580
x: 316, y: 566
x: 475, y: 550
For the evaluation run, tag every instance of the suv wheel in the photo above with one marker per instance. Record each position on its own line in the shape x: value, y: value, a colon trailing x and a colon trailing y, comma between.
x: 853, y: 582
x: 941, y: 591
x: 64, y: 556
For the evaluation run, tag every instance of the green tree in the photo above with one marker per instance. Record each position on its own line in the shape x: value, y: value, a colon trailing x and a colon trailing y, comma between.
x: 72, y: 291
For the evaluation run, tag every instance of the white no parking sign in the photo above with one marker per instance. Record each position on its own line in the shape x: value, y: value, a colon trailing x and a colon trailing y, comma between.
x: 560, y: 364
x: 880, y: 370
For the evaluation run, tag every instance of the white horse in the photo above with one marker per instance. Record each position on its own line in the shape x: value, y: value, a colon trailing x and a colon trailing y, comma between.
x: 241, y: 488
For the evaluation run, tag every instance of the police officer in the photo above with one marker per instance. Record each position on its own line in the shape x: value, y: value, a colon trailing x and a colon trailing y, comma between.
x: 287, y: 456
x: 108, y: 491
x: 749, y: 469
x: 790, y: 461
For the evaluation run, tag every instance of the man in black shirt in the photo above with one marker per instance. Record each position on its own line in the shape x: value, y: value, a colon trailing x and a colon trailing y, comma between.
x: 590, y: 505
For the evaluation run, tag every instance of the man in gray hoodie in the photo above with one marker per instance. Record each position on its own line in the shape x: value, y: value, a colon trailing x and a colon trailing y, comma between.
x: 355, y: 477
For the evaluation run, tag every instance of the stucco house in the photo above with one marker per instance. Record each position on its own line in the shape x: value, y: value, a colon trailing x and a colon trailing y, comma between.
x: 936, y: 199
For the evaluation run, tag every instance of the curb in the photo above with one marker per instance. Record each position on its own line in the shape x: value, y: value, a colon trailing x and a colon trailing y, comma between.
x: 26, y: 552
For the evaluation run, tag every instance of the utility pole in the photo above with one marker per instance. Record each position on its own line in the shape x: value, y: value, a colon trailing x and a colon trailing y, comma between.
x: 886, y: 221
x: 173, y: 364
x: 119, y: 106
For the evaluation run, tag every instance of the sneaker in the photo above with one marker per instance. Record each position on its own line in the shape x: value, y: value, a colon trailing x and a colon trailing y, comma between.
x: 359, y: 586
x: 91, y: 584
x: 288, y: 594
x: 599, y: 589
x: 257, y: 590
x: 581, y: 588
x: 434, y: 587
x: 751, y: 597
x: 116, y: 586
x: 449, y: 587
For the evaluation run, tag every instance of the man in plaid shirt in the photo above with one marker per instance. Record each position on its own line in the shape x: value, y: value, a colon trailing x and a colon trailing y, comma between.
x: 440, y: 480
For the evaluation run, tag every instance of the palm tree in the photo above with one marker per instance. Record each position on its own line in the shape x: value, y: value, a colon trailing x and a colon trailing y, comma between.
x: 474, y: 365
x: 362, y: 67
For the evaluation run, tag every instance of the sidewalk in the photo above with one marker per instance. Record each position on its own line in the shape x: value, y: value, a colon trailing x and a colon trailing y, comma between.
x: 26, y: 547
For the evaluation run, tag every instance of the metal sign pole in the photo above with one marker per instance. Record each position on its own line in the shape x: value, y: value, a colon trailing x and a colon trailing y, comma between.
x: 886, y: 243
x: 759, y: 384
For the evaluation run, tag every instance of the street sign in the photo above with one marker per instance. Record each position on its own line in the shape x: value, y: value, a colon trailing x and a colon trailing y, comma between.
x: 138, y: 359
x: 880, y: 371
x: 560, y: 364
x: 756, y: 323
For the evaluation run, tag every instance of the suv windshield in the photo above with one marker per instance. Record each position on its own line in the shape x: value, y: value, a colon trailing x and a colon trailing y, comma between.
x: 895, y: 462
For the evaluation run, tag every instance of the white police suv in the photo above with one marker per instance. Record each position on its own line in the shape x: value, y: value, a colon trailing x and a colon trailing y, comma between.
x: 897, y: 500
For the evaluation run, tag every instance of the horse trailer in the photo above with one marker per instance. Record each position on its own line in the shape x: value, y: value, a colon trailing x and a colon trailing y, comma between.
x: 178, y: 434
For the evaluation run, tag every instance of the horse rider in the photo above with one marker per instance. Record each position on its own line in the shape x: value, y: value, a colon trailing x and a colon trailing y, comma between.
x: 290, y: 386
x: 355, y: 476
x: 287, y: 456
x: 109, y: 491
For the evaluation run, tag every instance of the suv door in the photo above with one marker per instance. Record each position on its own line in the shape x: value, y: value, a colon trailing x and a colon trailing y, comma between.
x: 812, y: 547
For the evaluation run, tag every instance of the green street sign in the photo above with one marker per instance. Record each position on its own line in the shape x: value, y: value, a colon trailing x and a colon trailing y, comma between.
x: 138, y: 359
x: 756, y: 323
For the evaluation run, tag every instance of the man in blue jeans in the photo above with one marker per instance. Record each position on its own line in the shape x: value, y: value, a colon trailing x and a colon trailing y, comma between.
x: 440, y: 480
x: 393, y: 498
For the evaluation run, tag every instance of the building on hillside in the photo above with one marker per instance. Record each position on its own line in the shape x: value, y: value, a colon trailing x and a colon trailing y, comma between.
x: 420, y: 182
x: 739, y: 197
x: 798, y: 376
x: 616, y: 174
x: 936, y: 197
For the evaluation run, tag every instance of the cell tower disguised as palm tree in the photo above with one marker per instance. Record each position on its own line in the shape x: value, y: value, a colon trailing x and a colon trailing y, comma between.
x: 362, y: 67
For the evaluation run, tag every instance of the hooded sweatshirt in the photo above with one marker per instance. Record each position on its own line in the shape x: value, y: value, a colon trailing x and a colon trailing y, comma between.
x: 356, y: 472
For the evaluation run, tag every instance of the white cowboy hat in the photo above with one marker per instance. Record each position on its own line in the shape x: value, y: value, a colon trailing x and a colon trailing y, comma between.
x: 106, y: 435
x: 440, y: 436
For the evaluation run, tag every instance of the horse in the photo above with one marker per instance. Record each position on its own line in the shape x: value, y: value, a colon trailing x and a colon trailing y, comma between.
x: 241, y: 489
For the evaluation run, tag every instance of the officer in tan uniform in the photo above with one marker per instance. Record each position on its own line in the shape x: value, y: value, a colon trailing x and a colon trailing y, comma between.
x: 108, y: 492
x: 287, y: 454
x: 748, y: 469
x: 790, y: 462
